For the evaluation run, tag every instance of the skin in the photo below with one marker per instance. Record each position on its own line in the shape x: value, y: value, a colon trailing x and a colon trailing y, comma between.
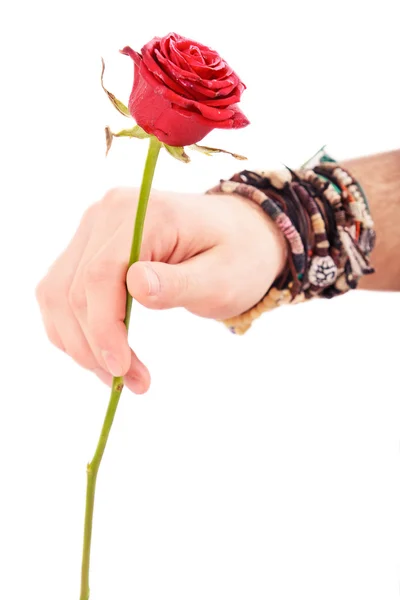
x: 380, y: 178
x: 215, y: 255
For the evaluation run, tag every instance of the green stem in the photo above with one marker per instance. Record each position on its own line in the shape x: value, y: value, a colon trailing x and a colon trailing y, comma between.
x: 118, y: 382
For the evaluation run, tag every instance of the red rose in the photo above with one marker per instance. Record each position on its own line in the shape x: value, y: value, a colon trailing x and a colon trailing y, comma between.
x: 182, y: 90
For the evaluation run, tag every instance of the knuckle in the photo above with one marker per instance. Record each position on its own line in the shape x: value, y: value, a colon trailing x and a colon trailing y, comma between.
x: 53, y: 300
x: 162, y: 209
x: 40, y: 292
x: 49, y: 296
x: 100, y: 333
x: 51, y: 331
x: 83, y: 357
x: 100, y: 270
x: 90, y: 213
x: 113, y: 196
x: 77, y: 298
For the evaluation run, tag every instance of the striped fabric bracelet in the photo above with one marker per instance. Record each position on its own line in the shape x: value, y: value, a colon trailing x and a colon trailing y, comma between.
x: 324, y: 215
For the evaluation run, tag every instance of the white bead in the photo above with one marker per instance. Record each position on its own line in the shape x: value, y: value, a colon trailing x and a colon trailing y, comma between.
x: 228, y: 186
x: 279, y: 178
x: 357, y: 211
x: 323, y: 271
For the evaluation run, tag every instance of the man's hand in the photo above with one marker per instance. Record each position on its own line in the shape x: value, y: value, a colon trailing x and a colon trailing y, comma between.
x: 215, y: 255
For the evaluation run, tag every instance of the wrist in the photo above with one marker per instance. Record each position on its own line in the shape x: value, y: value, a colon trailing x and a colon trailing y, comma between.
x: 379, y: 175
x: 324, y: 215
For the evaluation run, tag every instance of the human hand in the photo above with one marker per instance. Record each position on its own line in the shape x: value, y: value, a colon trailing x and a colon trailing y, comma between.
x: 215, y: 255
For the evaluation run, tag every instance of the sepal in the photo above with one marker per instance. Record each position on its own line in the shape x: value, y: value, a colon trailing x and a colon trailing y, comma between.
x: 134, y: 132
x: 177, y: 152
x: 120, y: 106
x: 211, y: 151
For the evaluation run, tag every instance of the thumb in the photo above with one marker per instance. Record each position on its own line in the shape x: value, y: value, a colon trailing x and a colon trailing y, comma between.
x: 190, y: 284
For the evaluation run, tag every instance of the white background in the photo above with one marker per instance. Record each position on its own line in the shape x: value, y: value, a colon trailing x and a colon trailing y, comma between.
x: 258, y: 467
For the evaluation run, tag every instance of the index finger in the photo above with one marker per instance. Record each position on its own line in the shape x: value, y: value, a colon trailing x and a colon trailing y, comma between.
x: 104, y: 282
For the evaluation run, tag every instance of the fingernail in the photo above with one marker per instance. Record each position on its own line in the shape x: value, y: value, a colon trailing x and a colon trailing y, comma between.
x: 112, y: 364
x: 153, y: 281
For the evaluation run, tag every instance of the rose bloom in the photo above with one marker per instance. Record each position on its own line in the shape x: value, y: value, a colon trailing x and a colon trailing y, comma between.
x: 182, y: 90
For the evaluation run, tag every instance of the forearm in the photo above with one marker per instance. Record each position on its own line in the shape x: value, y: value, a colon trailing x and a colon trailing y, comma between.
x: 379, y: 175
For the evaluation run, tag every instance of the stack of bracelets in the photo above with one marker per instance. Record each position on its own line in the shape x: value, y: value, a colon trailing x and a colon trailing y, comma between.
x: 324, y: 215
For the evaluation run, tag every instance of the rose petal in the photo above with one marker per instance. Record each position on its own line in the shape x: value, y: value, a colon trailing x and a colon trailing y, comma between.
x: 202, y: 93
x: 214, y: 114
x: 195, y: 54
x: 189, y: 87
x: 135, y: 56
x: 174, y: 70
x: 237, y: 121
x: 185, y: 46
x: 220, y: 71
x: 193, y: 81
x: 228, y: 101
x: 239, y: 118
x: 178, y: 58
x: 156, y: 69
x: 182, y: 90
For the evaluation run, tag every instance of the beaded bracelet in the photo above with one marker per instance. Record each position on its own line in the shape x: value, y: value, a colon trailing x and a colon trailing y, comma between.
x: 352, y: 261
x: 276, y: 213
x: 358, y: 203
x: 324, y: 215
x: 322, y: 270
